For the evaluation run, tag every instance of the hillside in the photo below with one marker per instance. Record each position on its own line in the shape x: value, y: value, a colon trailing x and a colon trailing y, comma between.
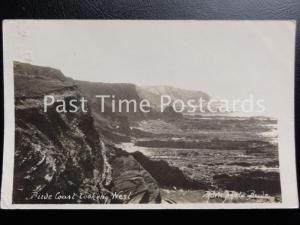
x: 116, y: 126
x: 63, y: 152
x: 154, y: 93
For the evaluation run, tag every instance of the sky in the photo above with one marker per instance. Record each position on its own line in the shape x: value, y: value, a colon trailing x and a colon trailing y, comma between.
x: 224, y: 59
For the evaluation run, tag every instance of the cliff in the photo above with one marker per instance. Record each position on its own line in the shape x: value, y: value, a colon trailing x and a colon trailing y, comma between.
x: 154, y: 93
x: 116, y: 125
x: 63, y: 152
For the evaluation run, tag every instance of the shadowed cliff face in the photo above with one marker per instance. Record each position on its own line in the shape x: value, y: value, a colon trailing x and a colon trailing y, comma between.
x: 62, y: 152
x: 120, y: 91
x: 116, y: 125
x: 54, y: 152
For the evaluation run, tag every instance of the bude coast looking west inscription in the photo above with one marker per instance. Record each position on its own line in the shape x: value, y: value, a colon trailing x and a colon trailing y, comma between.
x: 111, y: 138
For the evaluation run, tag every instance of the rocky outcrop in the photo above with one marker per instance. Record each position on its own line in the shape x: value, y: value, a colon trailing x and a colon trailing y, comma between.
x: 62, y: 153
x: 167, y: 176
x: 54, y: 152
x: 131, y: 179
x: 169, y: 114
x: 38, y: 72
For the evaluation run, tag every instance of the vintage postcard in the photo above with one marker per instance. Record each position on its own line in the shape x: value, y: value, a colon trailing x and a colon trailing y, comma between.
x: 148, y: 114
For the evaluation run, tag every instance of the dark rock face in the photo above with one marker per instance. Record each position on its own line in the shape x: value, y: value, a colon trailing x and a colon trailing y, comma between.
x: 130, y: 178
x: 170, y: 114
x: 63, y: 153
x: 113, y: 125
x: 54, y: 152
x: 258, y: 181
x: 120, y: 91
x: 124, y: 125
x: 167, y: 176
x: 37, y: 72
x: 107, y: 121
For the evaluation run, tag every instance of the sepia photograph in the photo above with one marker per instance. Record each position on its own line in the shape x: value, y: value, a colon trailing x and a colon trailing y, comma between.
x: 124, y: 113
